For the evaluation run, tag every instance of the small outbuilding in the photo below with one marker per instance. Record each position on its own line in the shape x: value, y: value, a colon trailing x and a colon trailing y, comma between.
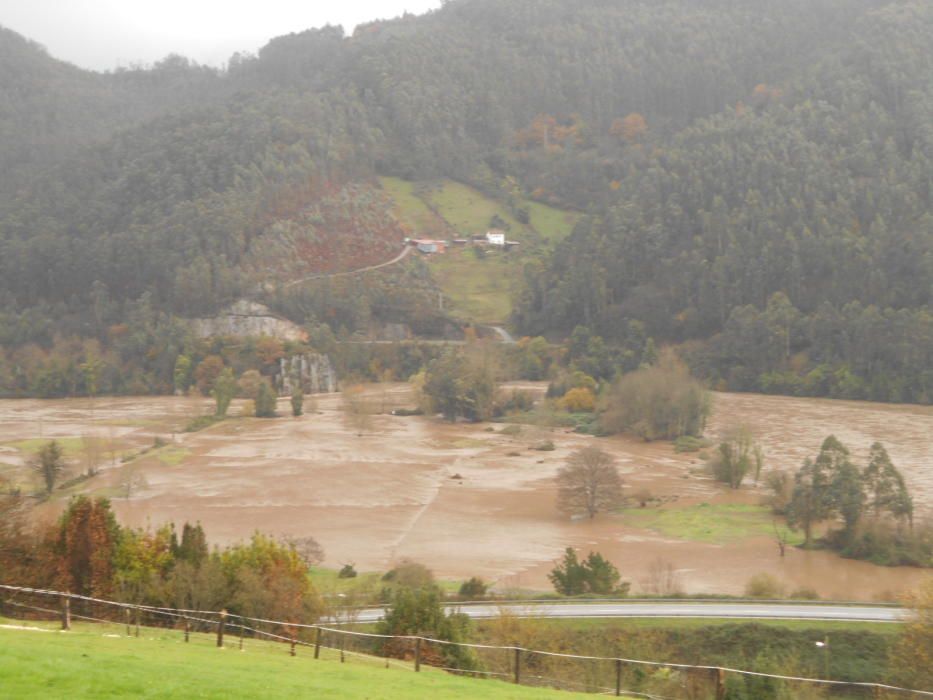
x: 495, y: 237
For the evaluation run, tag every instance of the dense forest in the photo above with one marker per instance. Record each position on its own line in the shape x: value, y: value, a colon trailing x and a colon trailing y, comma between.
x: 757, y: 180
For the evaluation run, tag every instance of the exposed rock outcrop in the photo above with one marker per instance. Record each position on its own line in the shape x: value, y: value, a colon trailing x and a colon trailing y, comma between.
x: 314, y: 373
x: 247, y: 318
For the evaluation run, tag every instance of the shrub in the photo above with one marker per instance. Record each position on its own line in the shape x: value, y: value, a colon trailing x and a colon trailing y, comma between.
x: 473, y: 589
x: 568, y: 381
x: 593, y: 575
x: 249, y: 383
x: 737, y: 455
x: 347, y: 571
x: 201, y: 422
x: 689, y: 443
x: 514, y: 402
x: 546, y: 446
x: 512, y: 430
x: 642, y: 496
x: 410, y: 574
x: 265, y: 401
x: 764, y: 586
x: 579, y: 401
x: 804, y: 594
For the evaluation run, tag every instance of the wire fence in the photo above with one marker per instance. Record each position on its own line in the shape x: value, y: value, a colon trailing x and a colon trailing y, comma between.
x: 611, y: 676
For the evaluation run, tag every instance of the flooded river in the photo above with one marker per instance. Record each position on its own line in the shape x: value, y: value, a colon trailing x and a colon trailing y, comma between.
x: 464, y: 499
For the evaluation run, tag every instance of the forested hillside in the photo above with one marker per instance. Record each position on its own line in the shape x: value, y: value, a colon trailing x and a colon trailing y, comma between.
x: 756, y: 179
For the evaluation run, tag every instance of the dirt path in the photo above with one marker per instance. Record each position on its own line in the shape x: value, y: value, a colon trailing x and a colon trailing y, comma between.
x: 398, y: 258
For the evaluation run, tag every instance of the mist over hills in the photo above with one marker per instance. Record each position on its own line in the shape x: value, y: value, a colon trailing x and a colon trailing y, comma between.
x: 757, y: 177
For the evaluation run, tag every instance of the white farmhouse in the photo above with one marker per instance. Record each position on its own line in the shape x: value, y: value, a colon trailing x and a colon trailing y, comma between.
x: 495, y: 237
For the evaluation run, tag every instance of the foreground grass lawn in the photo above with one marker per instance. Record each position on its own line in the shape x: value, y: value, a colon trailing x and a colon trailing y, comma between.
x: 90, y: 663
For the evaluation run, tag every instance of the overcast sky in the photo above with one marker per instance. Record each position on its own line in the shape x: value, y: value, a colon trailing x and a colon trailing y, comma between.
x: 104, y: 34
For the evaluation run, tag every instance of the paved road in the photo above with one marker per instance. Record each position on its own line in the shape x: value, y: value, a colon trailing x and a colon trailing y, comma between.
x: 741, y: 611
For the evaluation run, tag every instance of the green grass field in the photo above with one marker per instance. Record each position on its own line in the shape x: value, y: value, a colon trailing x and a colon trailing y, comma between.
x: 411, y: 210
x: 467, y: 210
x: 480, y: 290
x: 98, y: 662
x: 717, y: 524
x: 554, y: 225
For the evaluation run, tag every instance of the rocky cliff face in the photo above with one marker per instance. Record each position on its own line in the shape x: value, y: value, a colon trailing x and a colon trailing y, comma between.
x: 314, y: 373
x: 247, y: 318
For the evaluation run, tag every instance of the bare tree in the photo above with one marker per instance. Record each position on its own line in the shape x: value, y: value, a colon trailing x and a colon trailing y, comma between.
x: 662, y: 579
x: 131, y: 481
x: 92, y: 448
x: 307, y: 548
x: 589, y: 483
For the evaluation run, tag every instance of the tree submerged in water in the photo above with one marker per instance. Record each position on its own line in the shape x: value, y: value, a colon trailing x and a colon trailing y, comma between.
x: 589, y: 483
x: 662, y: 402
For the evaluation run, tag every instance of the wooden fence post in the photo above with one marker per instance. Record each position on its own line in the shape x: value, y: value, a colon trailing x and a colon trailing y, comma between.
x: 220, y: 628
x: 66, y: 612
x: 136, y: 619
x: 126, y: 620
x: 720, y: 683
x: 618, y: 677
x: 343, y: 645
x: 518, y: 665
x: 417, y: 654
x: 242, y: 626
x: 292, y: 652
x: 187, y: 629
x: 317, y: 644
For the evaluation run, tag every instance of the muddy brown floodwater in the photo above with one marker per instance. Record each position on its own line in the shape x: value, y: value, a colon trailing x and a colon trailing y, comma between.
x: 465, y: 499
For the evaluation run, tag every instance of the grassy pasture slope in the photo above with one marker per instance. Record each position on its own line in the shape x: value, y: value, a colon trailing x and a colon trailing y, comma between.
x: 479, y: 288
x: 84, y: 663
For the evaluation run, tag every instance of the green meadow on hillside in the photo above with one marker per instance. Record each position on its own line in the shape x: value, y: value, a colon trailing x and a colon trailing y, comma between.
x: 480, y: 287
x: 93, y: 661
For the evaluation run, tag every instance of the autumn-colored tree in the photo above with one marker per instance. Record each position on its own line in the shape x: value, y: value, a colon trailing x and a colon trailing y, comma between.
x: 142, y: 559
x: 271, y: 579
x: 27, y: 554
x: 88, y: 535
x: 580, y: 400
x: 912, y: 654
x: 207, y: 372
x: 631, y: 129
x: 269, y: 351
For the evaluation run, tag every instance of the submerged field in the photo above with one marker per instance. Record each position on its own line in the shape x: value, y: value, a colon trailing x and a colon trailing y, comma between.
x: 466, y: 499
